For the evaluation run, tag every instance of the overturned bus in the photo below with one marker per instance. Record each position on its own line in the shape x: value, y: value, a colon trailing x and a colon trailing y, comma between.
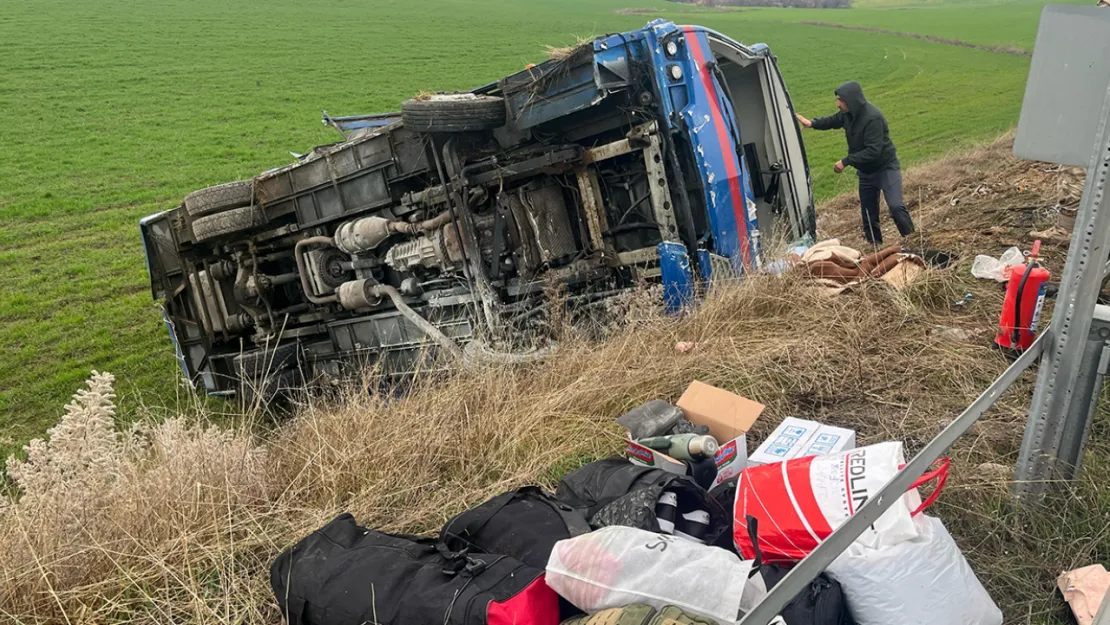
x: 667, y: 154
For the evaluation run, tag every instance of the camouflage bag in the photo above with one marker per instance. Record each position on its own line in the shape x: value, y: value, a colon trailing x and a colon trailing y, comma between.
x: 641, y: 614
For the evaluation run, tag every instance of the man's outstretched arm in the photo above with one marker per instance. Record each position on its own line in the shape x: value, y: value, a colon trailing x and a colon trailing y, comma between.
x: 832, y: 122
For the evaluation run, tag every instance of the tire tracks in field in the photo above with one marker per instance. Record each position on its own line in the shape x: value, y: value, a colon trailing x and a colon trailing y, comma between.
x: 1011, y: 50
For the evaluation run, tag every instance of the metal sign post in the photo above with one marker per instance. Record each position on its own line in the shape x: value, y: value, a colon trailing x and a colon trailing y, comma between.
x: 1059, y: 415
x: 1066, y: 113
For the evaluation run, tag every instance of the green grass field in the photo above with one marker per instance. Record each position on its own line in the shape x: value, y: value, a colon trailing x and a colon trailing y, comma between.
x: 114, y: 110
x: 984, y: 23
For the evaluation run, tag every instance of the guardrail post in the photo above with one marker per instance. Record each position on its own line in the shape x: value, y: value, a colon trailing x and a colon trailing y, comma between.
x: 1059, y: 416
x: 1065, y: 114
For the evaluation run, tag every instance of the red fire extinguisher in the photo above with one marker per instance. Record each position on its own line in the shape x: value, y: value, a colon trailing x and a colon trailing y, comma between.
x: 1021, y: 311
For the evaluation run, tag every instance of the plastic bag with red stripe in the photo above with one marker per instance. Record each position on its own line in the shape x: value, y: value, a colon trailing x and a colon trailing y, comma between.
x: 800, y: 502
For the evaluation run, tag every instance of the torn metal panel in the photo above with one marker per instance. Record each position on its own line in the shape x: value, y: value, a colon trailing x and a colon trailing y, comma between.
x: 596, y: 221
x: 661, y: 200
x: 678, y: 281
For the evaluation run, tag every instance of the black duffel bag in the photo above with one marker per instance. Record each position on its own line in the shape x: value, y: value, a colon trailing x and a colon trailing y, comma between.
x: 616, y: 492
x: 343, y: 574
x: 524, y: 524
x: 821, y: 603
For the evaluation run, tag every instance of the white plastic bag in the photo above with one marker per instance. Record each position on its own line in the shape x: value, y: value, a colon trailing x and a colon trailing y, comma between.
x: 988, y: 268
x: 616, y: 566
x: 755, y: 591
x: 924, y: 580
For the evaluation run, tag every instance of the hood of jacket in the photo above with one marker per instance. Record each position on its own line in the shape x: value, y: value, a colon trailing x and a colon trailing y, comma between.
x: 852, y: 94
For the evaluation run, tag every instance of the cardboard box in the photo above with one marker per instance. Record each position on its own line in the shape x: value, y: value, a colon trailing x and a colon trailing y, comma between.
x: 799, y: 438
x: 829, y: 440
x: 731, y: 458
x: 728, y: 417
x: 638, y: 454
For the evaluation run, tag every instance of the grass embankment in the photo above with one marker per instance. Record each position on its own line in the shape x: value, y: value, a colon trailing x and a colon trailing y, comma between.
x: 113, y: 113
x: 179, y: 523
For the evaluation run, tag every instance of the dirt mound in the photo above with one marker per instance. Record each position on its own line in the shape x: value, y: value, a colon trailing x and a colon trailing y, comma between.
x: 980, y: 202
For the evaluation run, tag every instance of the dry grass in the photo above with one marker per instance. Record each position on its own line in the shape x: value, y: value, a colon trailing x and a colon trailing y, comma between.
x: 564, y: 53
x: 182, y: 522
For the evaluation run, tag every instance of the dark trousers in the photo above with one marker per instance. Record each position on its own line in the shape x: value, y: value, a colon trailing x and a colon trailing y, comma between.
x: 889, y: 181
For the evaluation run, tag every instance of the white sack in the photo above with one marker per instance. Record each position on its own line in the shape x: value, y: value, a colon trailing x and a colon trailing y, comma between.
x: 921, y: 581
x: 617, y: 566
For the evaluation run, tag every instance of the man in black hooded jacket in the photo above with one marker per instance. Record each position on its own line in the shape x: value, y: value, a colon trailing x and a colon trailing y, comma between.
x: 872, y: 153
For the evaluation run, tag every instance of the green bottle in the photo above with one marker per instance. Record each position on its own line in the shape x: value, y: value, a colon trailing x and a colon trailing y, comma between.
x: 683, y: 446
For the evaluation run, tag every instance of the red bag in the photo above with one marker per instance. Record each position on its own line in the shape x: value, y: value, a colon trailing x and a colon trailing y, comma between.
x: 800, y: 502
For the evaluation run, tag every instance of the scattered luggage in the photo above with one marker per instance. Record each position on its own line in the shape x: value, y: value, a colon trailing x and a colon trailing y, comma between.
x: 523, y: 524
x: 343, y: 574
x: 923, y: 580
x: 618, y: 566
x: 800, y: 502
x: 642, y: 542
x: 617, y: 492
x: 836, y: 267
x: 725, y: 496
